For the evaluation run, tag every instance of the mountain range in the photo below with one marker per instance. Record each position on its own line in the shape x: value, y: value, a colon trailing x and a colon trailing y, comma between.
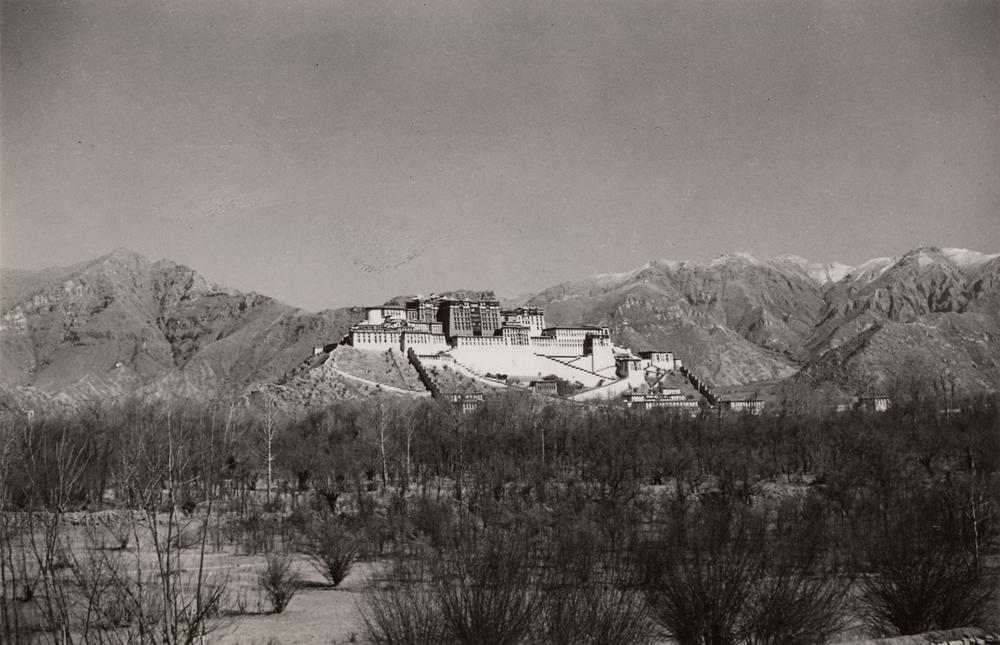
x: 123, y: 324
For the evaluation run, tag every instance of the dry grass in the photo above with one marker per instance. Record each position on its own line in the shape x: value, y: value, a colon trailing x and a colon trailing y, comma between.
x: 380, y: 367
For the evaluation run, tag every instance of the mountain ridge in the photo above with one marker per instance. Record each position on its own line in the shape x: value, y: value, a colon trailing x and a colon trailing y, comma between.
x: 778, y: 316
x: 122, y: 324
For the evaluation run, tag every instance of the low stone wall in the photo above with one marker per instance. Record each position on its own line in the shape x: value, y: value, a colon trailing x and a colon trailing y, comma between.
x: 422, y: 373
x: 609, y: 391
x: 71, y: 518
x: 548, y: 365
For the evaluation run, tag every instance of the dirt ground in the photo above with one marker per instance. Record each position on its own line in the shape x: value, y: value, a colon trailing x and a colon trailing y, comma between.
x: 316, y: 614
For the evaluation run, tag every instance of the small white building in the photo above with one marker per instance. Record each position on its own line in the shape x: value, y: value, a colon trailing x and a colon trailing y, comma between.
x: 384, y: 314
x: 741, y: 404
x: 660, y: 358
x: 874, y: 403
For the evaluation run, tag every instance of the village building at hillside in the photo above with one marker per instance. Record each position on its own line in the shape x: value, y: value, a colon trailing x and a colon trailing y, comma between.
x: 742, y: 404
x: 665, y: 398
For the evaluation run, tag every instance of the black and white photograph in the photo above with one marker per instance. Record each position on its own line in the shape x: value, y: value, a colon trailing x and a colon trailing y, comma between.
x: 500, y: 322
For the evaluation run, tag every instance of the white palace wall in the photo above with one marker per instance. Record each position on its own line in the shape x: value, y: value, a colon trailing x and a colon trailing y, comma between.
x: 376, y: 340
x: 551, y: 346
x: 547, y: 365
x: 519, y: 361
x: 490, y: 354
x: 576, y: 354
x: 425, y: 342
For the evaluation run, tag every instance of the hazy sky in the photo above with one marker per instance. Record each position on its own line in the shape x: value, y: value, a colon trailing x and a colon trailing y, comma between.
x: 333, y: 153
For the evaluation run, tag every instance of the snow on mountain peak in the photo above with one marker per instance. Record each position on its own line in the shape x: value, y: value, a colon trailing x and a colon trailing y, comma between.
x: 927, y: 256
x: 820, y: 272
x: 872, y: 269
x: 963, y: 258
x: 731, y: 257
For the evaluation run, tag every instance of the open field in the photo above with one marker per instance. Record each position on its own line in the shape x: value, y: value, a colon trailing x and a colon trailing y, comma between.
x: 319, y: 613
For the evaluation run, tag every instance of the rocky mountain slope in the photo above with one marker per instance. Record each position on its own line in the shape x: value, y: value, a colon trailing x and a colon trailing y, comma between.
x: 938, y: 307
x: 739, y: 319
x: 342, y: 374
x: 734, y: 319
x: 123, y: 324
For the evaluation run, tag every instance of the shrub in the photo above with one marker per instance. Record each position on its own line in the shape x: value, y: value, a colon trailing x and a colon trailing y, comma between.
x: 299, y: 520
x: 919, y: 581
x: 730, y: 579
x: 404, y: 611
x: 244, y: 604
x: 332, y: 551
x: 258, y: 534
x: 590, y: 593
x: 434, y: 519
x: 487, y: 591
x: 279, y: 581
x: 595, y: 614
x: 484, y: 591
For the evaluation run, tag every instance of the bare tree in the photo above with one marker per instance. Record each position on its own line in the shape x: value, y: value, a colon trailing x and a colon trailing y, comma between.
x: 384, y: 415
x: 166, y: 605
x: 9, y: 614
x: 268, y: 431
x: 409, y: 429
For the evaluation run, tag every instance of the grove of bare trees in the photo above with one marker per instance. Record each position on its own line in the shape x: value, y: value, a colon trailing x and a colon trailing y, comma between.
x: 527, y: 521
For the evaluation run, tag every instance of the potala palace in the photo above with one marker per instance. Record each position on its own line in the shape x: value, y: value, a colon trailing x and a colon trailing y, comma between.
x: 515, y: 345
